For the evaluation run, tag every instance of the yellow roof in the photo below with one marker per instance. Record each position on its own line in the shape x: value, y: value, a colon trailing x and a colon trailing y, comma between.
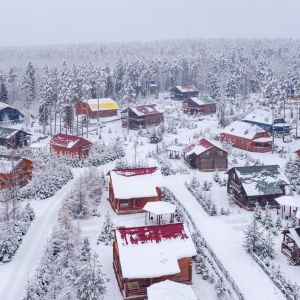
x: 104, y: 104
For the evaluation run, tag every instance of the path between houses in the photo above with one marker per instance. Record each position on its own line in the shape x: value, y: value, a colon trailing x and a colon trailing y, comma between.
x: 226, y: 241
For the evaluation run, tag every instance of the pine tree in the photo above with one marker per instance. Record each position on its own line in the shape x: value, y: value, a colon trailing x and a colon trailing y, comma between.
x: 106, y: 234
x: 268, y: 221
x: 3, y: 93
x: 85, y: 254
x: 9, y: 244
x: 267, y: 247
x: 91, y: 283
x: 257, y: 212
x: 252, y: 237
x: 27, y: 86
x: 30, y: 293
x: 220, y: 287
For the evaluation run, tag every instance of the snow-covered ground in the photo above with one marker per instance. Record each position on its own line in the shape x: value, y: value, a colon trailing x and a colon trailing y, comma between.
x: 225, y: 234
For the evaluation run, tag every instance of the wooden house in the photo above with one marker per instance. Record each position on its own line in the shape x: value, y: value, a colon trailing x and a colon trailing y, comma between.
x: 131, y: 189
x: 205, y: 156
x: 10, y: 113
x: 142, y: 116
x: 264, y: 119
x: 290, y: 245
x: 183, y: 92
x: 71, y: 145
x: 104, y: 107
x: 14, y: 138
x: 247, y: 136
x: 199, y: 105
x: 146, y: 255
x: 14, y: 171
x: 262, y: 184
x: 170, y: 290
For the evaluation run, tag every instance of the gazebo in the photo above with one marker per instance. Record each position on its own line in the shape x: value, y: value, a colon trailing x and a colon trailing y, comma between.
x: 159, y: 209
x: 289, y: 201
x: 174, y: 151
x: 170, y: 290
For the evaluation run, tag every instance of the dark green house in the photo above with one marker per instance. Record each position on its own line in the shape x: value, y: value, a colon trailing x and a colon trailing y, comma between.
x: 262, y: 184
x: 14, y: 138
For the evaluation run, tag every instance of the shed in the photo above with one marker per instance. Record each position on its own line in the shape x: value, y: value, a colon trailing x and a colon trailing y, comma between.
x: 159, y: 209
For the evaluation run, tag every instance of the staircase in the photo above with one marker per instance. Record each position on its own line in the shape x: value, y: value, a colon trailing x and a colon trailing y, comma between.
x: 293, y: 262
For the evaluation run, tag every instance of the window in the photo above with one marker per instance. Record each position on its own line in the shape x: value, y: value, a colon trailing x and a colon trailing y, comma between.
x: 207, y: 153
x: 233, y: 140
x: 221, y: 153
x: 133, y: 285
x: 241, y: 142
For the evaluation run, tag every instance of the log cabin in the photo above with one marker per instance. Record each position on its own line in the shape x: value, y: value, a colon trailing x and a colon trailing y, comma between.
x: 9, y: 113
x: 264, y: 119
x: 71, y: 145
x: 199, y: 105
x: 14, y: 171
x: 14, y: 138
x: 205, y: 156
x: 261, y: 184
x: 290, y: 245
x: 142, y: 116
x: 103, y: 107
x: 183, y: 92
x: 247, y: 136
x: 146, y: 255
x: 131, y: 189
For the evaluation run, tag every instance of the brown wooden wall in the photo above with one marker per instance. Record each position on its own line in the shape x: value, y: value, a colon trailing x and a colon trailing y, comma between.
x: 80, y: 149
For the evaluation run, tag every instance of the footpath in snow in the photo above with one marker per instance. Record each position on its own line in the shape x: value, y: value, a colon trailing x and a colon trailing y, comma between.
x: 225, y: 237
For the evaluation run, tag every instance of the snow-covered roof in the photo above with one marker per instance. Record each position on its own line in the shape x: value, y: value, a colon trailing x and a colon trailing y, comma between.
x: 289, y: 201
x: 134, y: 183
x: 104, y: 104
x: 160, y: 207
x: 65, y: 140
x: 295, y: 232
x: 4, y: 105
x: 187, y: 88
x: 170, y: 290
x: 143, y: 110
x: 262, y: 116
x: 7, y: 164
x: 203, y: 100
x: 153, y: 251
x: 242, y: 129
x: 263, y: 139
x: 198, y: 147
x: 261, y: 180
x: 6, y: 133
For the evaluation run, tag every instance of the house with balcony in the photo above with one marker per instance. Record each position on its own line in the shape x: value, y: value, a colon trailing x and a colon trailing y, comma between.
x: 261, y: 184
x: 146, y: 255
x: 290, y: 245
x: 247, y: 136
x: 131, y: 189
x: 268, y: 122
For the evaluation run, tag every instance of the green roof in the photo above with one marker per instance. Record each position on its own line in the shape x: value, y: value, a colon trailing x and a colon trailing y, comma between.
x: 261, y: 180
x: 206, y: 100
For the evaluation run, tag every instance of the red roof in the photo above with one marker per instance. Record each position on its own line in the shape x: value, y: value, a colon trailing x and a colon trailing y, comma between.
x: 65, y: 140
x: 135, y: 171
x: 202, y: 142
x: 149, y: 109
x: 155, y: 233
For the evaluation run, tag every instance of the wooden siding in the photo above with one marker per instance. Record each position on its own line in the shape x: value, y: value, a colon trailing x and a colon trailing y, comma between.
x: 189, y: 106
x: 235, y: 187
x: 136, y: 122
x: 78, y: 149
x: 83, y: 108
x: 210, y: 160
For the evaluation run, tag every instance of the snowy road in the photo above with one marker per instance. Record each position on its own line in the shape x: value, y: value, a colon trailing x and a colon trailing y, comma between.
x: 225, y: 238
x: 15, y: 273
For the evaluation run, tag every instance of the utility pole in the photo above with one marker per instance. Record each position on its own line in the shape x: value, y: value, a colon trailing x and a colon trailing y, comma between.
x: 127, y: 115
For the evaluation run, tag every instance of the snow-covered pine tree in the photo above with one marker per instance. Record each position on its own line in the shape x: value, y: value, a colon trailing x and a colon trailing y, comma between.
x: 257, y: 212
x: 267, y: 247
x: 252, y: 237
x: 220, y: 287
x: 91, y: 282
x: 85, y: 253
x: 107, y: 235
x: 3, y: 93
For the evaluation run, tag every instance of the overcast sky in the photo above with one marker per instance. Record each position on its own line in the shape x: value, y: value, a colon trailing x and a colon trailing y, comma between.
x: 33, y: 22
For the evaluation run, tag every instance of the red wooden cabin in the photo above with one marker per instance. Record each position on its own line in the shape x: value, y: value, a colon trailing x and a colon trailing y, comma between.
x: 205, y: 156
x: 247, y: 136
x: 14, y: 171
x: 146, y: 255
x: 131, y: 189
x: 290, y: 245
x: 104, y: 107
x: 199, y: 105
x: 69, y: 144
